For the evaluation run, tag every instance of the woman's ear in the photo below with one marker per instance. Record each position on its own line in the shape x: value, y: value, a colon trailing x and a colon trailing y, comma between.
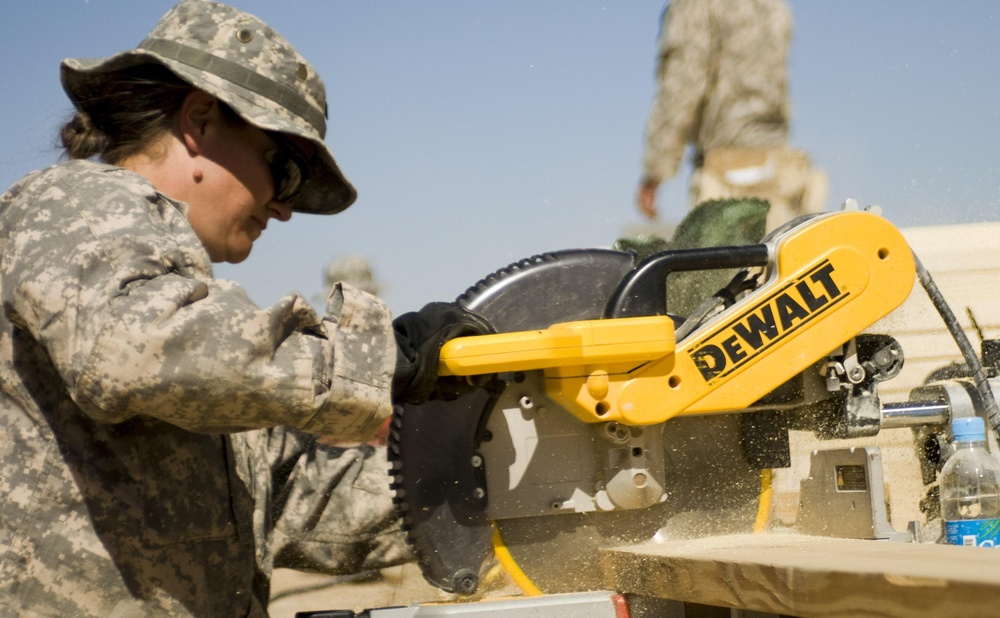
x: 198, y: 113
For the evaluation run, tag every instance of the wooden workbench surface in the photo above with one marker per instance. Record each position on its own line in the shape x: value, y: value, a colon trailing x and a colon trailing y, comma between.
x: 813, y: 576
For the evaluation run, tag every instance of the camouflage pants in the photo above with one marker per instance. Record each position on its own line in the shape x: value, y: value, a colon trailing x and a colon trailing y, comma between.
x: 784, y: 177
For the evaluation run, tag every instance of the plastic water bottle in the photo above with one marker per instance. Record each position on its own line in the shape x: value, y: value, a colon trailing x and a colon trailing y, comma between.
x: 970, y: 488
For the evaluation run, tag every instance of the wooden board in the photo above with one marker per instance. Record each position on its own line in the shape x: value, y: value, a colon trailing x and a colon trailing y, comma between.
x: 813, y: 576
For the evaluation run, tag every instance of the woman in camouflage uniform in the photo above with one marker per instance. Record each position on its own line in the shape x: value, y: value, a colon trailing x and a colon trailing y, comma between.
x: 147, y: 468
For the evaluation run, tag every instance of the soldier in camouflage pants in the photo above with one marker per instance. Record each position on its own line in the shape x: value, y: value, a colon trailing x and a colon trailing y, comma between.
x: 157, y: 429
x: 723, y: 89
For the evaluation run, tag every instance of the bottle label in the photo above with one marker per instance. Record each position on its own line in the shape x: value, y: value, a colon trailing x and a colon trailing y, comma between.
x: 979, y: 532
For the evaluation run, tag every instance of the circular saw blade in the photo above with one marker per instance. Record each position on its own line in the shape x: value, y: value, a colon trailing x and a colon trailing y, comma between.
x: 438, y: 492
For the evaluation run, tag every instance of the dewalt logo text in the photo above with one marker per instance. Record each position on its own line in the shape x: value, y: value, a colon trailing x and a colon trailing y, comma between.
x: 790, y: 308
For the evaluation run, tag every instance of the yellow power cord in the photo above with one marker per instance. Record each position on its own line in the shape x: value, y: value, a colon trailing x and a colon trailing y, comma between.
x: 764, y: 503
x: 510, y: 565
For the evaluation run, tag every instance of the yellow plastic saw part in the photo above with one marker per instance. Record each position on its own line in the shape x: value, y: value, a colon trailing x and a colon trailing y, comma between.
x: 831, y: 277
x: 605, y: 343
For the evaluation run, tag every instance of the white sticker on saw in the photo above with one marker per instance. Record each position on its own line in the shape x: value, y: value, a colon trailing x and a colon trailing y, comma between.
x: 524, y: 437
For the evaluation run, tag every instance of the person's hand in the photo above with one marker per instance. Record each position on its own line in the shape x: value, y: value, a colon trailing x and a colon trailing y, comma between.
x: 646, y: 197
x: 419, y: 337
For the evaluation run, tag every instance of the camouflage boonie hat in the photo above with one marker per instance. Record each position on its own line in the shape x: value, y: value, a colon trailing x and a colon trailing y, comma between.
x: 239, y: 59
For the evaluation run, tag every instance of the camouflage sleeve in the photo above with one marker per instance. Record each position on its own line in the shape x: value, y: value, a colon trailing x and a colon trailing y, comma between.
x: 330, y: 507
x: 683, y: 74
x: 124, y: 303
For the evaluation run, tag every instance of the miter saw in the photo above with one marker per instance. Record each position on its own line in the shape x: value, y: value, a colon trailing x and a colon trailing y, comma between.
x: 604, y: 419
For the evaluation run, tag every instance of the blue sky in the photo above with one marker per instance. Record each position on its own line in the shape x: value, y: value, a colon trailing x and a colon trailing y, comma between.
x: 479, y: 133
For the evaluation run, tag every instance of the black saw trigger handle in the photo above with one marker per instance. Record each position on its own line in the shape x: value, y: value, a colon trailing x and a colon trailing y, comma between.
x: 643, y: 290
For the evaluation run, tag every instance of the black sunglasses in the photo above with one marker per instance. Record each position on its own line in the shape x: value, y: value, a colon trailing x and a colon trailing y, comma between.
x: 289, y: 167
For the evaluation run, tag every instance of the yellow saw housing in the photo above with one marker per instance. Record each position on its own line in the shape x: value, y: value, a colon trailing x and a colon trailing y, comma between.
x: 829, y: 278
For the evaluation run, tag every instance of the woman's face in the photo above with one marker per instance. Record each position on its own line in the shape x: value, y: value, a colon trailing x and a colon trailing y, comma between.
x: 235, y: 202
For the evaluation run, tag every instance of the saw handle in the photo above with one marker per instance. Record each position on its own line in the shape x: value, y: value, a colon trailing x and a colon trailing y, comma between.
x: 569, y: 344
x: 643, y: 291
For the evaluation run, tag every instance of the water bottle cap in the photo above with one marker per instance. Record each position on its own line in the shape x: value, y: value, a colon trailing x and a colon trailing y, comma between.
x: 968, y: 429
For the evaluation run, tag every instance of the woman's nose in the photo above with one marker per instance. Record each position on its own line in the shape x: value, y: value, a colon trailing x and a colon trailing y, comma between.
x: 280, y: 210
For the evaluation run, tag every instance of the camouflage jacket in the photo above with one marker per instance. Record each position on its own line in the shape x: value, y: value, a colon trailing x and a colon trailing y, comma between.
x: 723, y: 80
x: 128, y: 376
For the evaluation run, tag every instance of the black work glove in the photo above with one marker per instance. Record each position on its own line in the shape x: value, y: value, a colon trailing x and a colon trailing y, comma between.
x: 419, y: 337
